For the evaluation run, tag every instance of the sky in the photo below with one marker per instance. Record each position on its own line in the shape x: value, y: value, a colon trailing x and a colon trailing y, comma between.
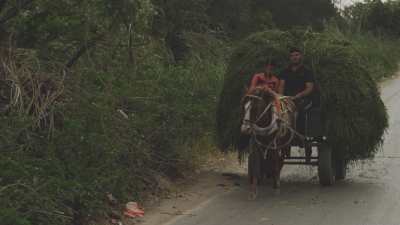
x: 348, y: 2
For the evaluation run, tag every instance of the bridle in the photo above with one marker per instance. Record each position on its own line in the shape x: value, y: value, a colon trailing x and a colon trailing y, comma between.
x: 258, y: 130
x: 276, y: 128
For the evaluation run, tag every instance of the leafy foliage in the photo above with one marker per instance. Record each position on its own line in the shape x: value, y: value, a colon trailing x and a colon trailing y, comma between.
x: 376, y: 16
x: 294, y: 13
x: 105, y: 133
x: 92, y: 107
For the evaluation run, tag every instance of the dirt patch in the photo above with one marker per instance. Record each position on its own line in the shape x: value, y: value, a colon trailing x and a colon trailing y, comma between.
x: 218, y: 175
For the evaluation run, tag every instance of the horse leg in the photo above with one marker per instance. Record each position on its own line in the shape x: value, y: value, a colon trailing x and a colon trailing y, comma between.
x: 277, y: 167
x: 265, y: 170
x: 286, y: 152
x: 254, y: 171
x: 253, y: 188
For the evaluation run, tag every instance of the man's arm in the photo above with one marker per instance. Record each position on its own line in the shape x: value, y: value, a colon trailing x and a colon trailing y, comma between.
x: 307, y: 91
x: 309, y: 85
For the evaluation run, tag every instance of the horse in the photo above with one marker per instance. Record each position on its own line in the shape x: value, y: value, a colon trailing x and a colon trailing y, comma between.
x: 269, y: 120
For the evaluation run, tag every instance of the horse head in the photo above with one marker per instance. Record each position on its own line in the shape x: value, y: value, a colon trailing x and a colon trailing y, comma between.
x: 257, y: 111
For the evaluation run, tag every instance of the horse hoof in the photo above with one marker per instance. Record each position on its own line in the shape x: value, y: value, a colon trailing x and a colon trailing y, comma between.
x: 252, y: 196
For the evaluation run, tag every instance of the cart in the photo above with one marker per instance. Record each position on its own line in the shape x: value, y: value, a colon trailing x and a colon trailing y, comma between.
x: 331, y: 166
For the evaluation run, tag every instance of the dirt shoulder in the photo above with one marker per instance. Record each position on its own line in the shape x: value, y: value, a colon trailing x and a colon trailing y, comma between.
x: 218, y: 176
x: 388, y: 80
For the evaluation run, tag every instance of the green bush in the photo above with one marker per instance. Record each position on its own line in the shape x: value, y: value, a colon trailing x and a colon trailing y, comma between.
x: 111, y: 130
x: 379, y: 53
x: 12, y: 217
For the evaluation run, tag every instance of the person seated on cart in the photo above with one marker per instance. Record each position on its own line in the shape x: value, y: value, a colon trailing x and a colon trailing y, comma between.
x: 266, y: 79
x: 297, y: 81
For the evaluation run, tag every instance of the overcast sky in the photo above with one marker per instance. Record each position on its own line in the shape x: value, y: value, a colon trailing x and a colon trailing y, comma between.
x: 348, y: 2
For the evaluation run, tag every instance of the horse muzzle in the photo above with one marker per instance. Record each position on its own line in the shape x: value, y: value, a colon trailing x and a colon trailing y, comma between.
x: 245, y: 128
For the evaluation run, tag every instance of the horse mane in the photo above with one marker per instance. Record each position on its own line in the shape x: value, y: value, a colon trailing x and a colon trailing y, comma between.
x: 267, y: 94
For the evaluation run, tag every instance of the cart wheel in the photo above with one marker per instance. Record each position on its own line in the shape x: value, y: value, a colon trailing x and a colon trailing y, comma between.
x: 341, y: 167
x: 326, y: 171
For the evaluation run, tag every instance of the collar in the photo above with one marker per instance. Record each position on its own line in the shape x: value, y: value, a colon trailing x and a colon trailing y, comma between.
x: 300, y: 67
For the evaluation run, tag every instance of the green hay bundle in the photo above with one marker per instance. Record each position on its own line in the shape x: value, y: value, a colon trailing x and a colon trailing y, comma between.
x: 355, y: 116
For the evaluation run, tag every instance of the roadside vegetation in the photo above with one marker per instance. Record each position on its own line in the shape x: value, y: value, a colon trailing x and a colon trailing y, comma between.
x: 374, y: 27
x: 102, y: 97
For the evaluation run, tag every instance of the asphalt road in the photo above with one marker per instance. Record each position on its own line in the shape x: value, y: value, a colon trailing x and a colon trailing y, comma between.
x: 370, y: 195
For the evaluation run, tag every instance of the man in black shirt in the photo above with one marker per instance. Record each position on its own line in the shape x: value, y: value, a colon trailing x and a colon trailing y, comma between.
x: 297, y: 82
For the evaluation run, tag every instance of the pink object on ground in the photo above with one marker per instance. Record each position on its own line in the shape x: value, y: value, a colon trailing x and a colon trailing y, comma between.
x: 132, y: 210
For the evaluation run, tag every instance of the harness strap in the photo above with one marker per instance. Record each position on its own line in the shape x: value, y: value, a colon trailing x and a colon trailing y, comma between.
x: 278, y: 105
x: 280, y: 109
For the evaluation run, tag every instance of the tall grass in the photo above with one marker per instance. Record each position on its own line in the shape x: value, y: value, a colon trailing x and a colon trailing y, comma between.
x: 380, y: 53
x: 104, y: 128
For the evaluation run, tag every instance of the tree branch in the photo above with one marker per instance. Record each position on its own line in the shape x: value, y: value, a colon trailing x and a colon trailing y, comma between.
x: 81, y: 50
x: 86, y: 46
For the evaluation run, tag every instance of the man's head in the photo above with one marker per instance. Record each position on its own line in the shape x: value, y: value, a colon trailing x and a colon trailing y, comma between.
x: 295, y: 56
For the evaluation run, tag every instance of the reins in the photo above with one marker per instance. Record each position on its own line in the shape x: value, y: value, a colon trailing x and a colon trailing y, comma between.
x: 273, y: 128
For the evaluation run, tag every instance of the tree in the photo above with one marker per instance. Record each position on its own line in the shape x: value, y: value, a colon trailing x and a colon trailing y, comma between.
x: 291, y: 13
x: 375, y: 16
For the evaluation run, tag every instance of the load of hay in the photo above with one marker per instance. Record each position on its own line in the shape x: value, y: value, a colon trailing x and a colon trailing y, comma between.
x: 355, y: 117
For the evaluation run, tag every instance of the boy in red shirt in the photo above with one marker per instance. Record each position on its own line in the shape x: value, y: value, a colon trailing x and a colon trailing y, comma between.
x: 266, y: 79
